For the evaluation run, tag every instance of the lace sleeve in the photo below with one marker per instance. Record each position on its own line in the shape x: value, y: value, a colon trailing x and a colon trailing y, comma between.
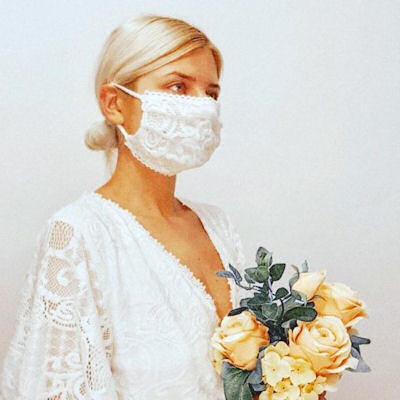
x: 62, y: 343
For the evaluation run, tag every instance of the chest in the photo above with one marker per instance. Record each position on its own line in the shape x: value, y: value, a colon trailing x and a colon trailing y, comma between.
x: 194, y: 248
x: 161, y: 324
x: 202, y: 258
x: 161, y: 327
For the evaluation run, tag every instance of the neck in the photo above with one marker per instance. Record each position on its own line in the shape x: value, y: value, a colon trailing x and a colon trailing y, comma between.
x: 140, y: 188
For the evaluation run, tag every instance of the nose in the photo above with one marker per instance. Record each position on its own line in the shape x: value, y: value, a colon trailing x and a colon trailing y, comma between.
x: 199, y: 92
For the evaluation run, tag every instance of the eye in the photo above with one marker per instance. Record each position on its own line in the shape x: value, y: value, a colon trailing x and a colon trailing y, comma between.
x: 180, y: 86
x: 181, y: 89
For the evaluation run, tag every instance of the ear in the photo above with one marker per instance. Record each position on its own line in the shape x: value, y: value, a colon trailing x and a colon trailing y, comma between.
x: 110, y: 104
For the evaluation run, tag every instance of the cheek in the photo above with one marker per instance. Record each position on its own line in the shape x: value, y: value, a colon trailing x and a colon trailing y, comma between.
x: 133, y: 116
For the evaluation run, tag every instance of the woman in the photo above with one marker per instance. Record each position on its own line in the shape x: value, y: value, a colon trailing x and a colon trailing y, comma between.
x: 122, y: 298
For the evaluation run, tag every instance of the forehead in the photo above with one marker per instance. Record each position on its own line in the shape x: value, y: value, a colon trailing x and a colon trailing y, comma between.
x: 199, y: 63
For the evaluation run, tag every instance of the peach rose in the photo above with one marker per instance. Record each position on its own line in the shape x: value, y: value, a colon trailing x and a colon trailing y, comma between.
x: 309, y: 282
x: 341, y: 301
x: 238, y: 339
x: 217, y: 360
x: 326, y: 343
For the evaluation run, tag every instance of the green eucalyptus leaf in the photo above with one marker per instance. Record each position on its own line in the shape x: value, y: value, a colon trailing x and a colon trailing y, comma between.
x: 362, y: 365
x: 248, y: 279
x: 263, y: 257
x: 304, y: 267
x: 357, y: 340
x: 251, y: 273
x: 258, y: 274
x: 295, y: 277
x: 236, y: 311
x: 290, y: 303
x: 259, y: 315
x: 234, y: 382
x: 263, y: 288
x: 281, y: 292
x: 262, y: 273
x: 276, y: 271
x: 295, y: 267
x: 224, y: 274
x: 300, y: 313
x: 268, y: 259
x: 261, y: 351
x: 236, y: 273
x: 270, y: 310
x: 290, y: 324
x: 243, y: 301
x: 261, y: 254
x: 258, y: 299
x: 256, y: 375
x: 258, y: 387
x: 299, y: 295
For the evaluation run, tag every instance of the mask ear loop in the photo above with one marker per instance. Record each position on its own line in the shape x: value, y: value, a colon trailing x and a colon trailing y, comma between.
x: 126, y: 90
x: 121, y: 128
x: 125, y: 134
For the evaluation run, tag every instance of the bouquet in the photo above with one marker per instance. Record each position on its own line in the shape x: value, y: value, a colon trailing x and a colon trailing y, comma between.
x: 291, y: 343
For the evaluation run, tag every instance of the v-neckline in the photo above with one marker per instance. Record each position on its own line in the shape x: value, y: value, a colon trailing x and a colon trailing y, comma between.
x: 183, y: 267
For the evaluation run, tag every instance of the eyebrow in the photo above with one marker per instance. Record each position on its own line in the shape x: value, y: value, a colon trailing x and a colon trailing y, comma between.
x: 191, y: 78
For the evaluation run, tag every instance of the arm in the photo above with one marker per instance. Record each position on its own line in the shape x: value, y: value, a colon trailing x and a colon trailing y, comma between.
x: 59, y: 347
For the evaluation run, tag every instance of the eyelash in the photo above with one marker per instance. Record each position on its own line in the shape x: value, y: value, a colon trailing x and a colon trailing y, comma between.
x: 214, y: 95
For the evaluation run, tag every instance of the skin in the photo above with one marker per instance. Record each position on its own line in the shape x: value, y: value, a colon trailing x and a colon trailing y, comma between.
x: 149, y: 195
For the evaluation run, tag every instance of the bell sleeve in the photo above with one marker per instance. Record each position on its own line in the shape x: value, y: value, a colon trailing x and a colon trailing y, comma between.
x: 62, y: 343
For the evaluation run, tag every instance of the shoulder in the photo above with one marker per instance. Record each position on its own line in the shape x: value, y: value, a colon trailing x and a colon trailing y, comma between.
x: 212, y: 212
x: 66, y: 224
x: 65, y: 253
x: 81, y: 214
x: 75, y: 212
x: 217, y: 218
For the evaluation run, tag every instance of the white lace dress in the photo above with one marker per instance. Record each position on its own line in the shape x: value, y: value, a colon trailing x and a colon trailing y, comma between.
x: 108, y: 313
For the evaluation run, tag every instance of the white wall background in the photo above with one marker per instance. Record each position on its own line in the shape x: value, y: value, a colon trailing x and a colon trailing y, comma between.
x: 308, y: 167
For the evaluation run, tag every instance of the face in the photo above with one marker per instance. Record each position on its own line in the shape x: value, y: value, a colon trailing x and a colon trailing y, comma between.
x: 194, y: 74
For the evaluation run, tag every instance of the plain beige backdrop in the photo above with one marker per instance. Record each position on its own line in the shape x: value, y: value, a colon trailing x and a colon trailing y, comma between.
x: 308, y: 166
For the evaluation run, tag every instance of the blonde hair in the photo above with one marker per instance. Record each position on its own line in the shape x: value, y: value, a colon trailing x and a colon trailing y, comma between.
x: 138, y: 46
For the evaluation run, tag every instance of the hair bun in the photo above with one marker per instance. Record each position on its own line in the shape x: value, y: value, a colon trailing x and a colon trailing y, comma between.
x: 101, y: 135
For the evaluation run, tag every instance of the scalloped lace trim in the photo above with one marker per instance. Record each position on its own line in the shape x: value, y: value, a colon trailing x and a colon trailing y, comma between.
x: 184, y: 97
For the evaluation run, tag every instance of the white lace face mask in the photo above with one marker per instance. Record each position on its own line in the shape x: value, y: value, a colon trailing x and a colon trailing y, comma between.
x: 176, y: 132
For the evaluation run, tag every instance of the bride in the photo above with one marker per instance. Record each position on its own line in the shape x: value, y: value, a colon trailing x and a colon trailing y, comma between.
x: 121, y: 299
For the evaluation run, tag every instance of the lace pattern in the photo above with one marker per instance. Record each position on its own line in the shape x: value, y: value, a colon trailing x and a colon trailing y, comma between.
x: 176, y: 132
x: 63, y: 341
x: 106, y: 313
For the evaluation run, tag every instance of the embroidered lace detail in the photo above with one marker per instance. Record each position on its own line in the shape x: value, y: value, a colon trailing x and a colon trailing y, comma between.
x: 106, y: 311
x: 55, y: 352
x: 184, y: 97
x: 186, y: 270
x: 177, y: 132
